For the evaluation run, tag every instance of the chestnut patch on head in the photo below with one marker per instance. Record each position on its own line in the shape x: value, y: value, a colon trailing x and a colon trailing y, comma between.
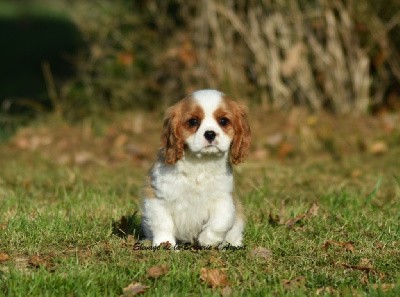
x: 181, y: 120
x: 232, y: 118
x: 224, y: 118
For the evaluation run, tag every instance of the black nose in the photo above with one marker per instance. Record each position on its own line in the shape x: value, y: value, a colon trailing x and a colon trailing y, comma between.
x: 210, y: 135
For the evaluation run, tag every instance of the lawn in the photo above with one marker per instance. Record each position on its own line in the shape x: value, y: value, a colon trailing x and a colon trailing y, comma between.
x: 322, y: 215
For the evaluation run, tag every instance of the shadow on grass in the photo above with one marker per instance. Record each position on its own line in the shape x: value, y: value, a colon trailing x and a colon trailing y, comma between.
x: 128, y: 225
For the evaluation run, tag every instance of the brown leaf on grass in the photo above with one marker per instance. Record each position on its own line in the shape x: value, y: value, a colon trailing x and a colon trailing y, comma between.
x: 364, y: 265
x: 284, y: 150
x: 325, y: 291
x: 261, y: 252
x: 37, y: 261
x: 384, y: 287
x: 226, y: 291
x: 365, y: 262
x: 4, y: 257
x: 83, y: 157
x: 120, y: 141
x: 311, y: 212
x: 356, y: 173
x: 125, y: 58
x: 294, y: 283
x: 157, y: 271
x: 133, y: 289
x: 214, y: 277
x: 364, y: 279
x: 274, y: 140
x: 260, y: 154
x: 378, y: 148
x: 291, y: 222
x: 347, y: 245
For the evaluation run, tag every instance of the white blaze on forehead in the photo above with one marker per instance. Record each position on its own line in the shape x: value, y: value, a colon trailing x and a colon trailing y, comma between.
x: 209, y: 100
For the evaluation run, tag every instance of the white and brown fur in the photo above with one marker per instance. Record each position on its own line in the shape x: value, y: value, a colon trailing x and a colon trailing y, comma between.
x: 189, y: 193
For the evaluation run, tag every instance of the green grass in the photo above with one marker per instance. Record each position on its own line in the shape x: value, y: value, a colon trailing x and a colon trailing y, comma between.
x: 69, y: 216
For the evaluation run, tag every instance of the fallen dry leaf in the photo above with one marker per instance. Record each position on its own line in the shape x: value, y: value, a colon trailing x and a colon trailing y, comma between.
x: 311, y: 212
x: 120, y: 141
x: 4, y: 257
x: 214, y: 277
x: 157, y: 271
x: 226, y: 291
x: 325, y: 291
x: 261, y: 252
x: 285, y: 149
x: 384, y: 287
x: 356, y: 173
x: 364, y: 279
x: 291, y: 222
x: 83, y: 157
x: 260, y: 154
x: 365, y: 262
x: 125, y: 58
x: 378, y: 148
x: 312, y: 120
x: 274, y: 140
x: 133, y: 289
x: 294, y: 283
x: 347, y: 245
x: 36, y: 261
x: 367, y: 268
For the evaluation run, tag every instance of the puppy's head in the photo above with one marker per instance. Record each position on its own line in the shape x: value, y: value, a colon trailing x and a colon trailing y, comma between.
x: 206, y: 123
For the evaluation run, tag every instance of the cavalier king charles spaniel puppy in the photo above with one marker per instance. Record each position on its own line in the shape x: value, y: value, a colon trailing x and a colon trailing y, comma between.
x: 188, y: 197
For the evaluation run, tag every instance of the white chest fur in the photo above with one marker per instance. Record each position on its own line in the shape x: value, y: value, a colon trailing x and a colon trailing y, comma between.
x: 189, y: 191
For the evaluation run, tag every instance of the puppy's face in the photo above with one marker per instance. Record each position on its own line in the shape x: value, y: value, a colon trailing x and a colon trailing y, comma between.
x: 206, y: 123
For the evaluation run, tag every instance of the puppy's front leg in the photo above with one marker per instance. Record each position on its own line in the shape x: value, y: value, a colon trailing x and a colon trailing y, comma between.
x: 221, y: 221
x: 157, y: 222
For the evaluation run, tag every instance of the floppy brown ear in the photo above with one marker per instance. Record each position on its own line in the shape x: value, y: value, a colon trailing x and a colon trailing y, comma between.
x: 242, y: 138
x: 172, y: 143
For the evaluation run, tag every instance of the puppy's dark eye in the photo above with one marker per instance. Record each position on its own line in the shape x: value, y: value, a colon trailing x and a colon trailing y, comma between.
x: 193, y: 122
x: 223, y: 122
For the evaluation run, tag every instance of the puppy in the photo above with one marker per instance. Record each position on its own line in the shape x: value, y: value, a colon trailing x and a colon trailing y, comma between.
x: 189, y: 191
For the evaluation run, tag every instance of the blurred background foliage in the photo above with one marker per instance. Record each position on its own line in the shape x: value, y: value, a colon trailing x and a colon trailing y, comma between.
x: 78, y: 58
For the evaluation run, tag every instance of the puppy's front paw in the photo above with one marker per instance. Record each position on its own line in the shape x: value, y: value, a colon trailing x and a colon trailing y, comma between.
x: 164, y: 240
x: 234, y: 239
x: 210, y: 238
